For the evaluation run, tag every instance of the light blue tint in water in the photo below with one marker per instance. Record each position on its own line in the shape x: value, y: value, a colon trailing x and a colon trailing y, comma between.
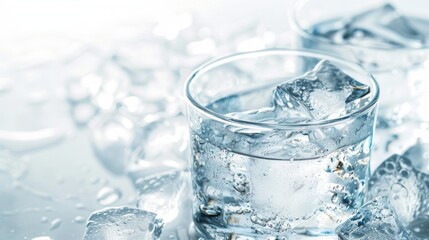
x: 277, y: 178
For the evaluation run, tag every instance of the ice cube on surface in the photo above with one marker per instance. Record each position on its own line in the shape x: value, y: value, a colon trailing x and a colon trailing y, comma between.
x: 162, y: 193
x: 123, y: 223
x: 321, y: 92
x: 405, y: 187
x: 383, y: 26
x: 160, y: 145
x: 419, y: 153
x: 112, y: 135
x: 376, y: 220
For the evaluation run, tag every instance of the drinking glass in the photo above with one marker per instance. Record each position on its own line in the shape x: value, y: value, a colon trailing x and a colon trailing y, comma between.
x: 262, y: 180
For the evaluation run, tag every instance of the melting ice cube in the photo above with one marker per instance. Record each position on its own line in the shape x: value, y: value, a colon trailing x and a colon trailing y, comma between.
x: 374, y: 220
x: 162, y: 193
x: 122, y: 223
x: 419, y: 153
x: 112, y: 136
x: 321, y: 92
x: 406, y: 188
x: 159, y: 146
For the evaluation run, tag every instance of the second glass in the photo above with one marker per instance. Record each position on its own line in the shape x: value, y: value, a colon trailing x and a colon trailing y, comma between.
x: 268, y: 179
x: 391, y: 40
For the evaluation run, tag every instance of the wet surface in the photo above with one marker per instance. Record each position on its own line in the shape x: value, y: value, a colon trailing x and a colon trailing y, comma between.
x: 91, y: 122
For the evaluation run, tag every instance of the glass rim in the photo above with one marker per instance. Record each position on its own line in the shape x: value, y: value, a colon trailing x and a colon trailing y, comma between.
x: 294, y: 22
x: 272, y: 126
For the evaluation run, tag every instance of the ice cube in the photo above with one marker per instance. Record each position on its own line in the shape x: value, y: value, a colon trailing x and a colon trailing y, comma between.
x: 384, y: 26
x: 112, y: 136
x: 162, y: 193
x: 119, y: 223
x: 405, y: 187
x: 321, y: 92
x: 160, y: 145
x: 419, y: 153
x: 374, y: 220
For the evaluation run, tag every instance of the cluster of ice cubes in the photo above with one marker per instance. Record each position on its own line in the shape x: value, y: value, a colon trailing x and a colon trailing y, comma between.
x: 397, y: 206
x: 399, y: 188
x: 128, y: 98
x: 375, y: 220
x: 401, y: 211
x: 324, y: 92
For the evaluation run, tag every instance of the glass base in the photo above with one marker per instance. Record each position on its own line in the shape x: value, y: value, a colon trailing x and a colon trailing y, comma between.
x: 238, y: 233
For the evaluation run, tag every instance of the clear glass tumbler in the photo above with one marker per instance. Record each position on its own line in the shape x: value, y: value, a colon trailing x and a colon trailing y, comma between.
x: 399, y: 63
x: 262, y: 180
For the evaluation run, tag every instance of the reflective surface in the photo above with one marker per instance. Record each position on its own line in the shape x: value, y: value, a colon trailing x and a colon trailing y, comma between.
x: 92, y: 115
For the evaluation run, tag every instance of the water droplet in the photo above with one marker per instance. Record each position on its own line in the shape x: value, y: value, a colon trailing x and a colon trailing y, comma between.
x: 79, y: 206
x: 44, y: 219
x: 334, y: 198
x: 56, y: 223
x: 42, y: 238
x: 390, y: 166
x: 79, y: 219
x: 255, y: 219
x: 210, y: 210
x: 28, y: 140
x: 404, y: 173
x: 107, y: 196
